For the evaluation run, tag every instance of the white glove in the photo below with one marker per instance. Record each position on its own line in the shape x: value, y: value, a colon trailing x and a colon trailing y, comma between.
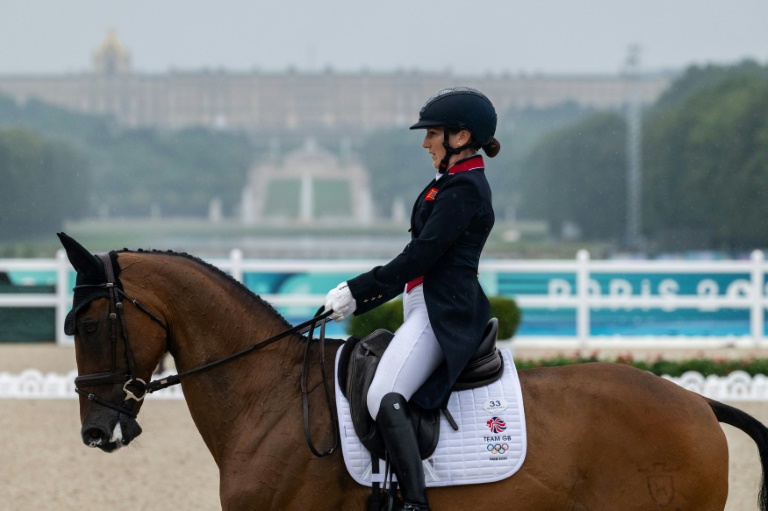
x: 340, y: 301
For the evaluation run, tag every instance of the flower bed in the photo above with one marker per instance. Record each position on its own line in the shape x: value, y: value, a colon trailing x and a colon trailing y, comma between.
x: 660, y: 366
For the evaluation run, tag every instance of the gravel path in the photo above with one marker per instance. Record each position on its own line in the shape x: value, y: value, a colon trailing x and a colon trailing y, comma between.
x: 44, y: 466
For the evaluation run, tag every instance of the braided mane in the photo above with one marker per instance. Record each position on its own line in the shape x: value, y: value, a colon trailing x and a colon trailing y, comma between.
x: 231, y: 281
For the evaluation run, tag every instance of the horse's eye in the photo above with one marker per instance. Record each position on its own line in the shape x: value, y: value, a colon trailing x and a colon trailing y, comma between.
x: 90, y: 326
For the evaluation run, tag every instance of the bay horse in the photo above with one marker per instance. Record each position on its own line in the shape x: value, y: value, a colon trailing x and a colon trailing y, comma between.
x: 601, y: 436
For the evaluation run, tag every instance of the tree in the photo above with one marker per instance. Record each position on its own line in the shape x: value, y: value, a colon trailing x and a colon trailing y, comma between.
x: 519, y: 130
x: 398, y: 166
x: 135, y: 169
x: 178, y: 172
x: 44, y: 182
x: 578, y: 175
x: 697, y: 79
x: 707, y: 166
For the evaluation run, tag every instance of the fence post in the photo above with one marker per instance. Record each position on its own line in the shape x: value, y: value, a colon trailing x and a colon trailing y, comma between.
x: 757, y: 314
x: 236, y: 260
x: 62, y: 296
x: 582, y: 292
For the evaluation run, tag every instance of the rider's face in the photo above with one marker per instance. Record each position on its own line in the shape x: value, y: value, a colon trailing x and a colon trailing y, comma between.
x: 433, y: 142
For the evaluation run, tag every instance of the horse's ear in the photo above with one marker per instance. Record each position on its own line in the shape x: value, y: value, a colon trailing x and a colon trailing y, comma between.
x: 82, y: 261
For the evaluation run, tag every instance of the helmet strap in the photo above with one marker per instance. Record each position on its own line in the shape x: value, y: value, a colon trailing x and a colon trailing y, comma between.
x: 449, y: 151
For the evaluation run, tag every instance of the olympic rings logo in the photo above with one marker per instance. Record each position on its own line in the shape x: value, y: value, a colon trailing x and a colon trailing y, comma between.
x: 497, y: 448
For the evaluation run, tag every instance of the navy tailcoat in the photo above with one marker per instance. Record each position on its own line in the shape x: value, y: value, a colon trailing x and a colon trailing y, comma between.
x: 450, y: 222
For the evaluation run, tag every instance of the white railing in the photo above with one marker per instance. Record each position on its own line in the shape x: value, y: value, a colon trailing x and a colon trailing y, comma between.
x: 746, y: 293
x: 34, y: 384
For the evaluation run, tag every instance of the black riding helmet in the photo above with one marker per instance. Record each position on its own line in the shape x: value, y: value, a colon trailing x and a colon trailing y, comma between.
x: 463, y: 108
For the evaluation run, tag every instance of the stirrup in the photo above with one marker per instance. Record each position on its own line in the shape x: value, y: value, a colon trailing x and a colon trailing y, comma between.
x: 414, y: 507
x: 384, y: 499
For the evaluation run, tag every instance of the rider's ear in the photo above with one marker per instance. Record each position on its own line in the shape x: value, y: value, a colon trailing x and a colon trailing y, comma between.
x: 82, y: 261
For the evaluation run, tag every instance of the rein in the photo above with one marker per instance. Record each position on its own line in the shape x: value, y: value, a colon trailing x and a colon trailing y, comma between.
x: 114, y: 377
x: 301, y: 328
x: 307, y: 326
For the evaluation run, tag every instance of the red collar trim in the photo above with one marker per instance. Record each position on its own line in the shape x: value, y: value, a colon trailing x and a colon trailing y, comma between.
x: 471, y: 163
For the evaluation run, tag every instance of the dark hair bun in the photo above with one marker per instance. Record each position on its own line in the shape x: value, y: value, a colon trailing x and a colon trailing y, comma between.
x: 492, y: 148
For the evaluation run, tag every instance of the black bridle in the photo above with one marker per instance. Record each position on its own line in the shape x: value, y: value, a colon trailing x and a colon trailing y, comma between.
x: 129, y: 381
x: 114, y: 376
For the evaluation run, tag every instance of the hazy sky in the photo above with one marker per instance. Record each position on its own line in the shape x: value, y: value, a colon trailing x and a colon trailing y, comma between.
x: 549, y: 36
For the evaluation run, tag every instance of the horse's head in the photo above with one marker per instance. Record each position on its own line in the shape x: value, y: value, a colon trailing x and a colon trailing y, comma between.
x: 113, y: 366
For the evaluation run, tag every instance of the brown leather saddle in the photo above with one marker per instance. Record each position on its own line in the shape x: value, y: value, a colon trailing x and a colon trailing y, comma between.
x: 357, y: 366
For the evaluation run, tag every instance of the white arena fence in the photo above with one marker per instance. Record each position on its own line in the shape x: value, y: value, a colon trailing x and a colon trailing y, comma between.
x: 33, y: 384
x: 582, y: 286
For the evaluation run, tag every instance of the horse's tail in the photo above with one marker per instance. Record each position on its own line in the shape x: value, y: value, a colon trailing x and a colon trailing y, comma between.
x: 756, y: 430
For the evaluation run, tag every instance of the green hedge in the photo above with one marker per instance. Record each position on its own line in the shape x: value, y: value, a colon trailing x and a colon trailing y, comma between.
x: 661, y: 367
x: 390, y: 316
x: 508, y: 314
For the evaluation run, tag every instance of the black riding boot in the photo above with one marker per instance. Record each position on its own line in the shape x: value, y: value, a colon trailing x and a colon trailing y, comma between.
x: 394, y: 422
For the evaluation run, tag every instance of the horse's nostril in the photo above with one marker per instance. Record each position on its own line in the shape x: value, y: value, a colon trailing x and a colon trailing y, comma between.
x: 93, y: 437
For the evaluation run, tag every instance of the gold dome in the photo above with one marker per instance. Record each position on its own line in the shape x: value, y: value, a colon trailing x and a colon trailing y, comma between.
x: 111, y: 57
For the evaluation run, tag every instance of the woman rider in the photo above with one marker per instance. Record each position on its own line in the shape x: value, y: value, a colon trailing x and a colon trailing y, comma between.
x: 445, y: 309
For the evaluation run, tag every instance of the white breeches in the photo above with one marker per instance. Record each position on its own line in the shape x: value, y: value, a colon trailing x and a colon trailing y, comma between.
x: 412, y: 355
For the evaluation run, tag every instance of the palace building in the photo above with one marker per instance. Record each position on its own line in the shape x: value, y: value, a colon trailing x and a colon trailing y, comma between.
x: 298, y: 102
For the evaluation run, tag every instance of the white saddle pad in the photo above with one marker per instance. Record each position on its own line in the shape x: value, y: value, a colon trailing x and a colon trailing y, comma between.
x: 490, y: 444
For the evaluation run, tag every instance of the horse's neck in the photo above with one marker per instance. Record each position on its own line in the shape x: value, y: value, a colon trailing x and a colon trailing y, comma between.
x: 213, y: 321
x: 212, y: 317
